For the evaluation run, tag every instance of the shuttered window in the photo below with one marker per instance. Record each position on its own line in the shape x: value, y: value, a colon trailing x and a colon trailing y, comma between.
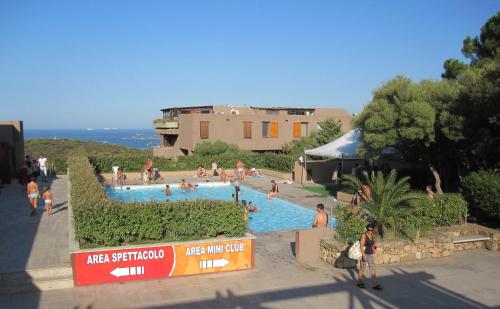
x: 274, y: 129
x: 296, y: 129
x: 304, y: 128
x: 265, y: 129
x: 247, y: 129
x: 204, y: 129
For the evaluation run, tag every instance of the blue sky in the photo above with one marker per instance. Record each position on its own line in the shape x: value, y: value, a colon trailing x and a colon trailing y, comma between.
x: 79, y: 64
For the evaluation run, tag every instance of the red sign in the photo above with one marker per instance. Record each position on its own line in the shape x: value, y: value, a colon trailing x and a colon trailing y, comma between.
x: 122, y: 265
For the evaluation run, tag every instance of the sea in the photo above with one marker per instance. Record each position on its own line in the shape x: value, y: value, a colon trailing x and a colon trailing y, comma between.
x: 133, y: 138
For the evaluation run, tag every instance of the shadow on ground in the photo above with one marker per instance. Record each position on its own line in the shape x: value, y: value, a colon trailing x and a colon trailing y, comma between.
x: 401, y: 290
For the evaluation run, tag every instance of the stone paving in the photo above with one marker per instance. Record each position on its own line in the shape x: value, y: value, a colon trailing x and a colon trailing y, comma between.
x: 466, y: 280
x: 28, y: 242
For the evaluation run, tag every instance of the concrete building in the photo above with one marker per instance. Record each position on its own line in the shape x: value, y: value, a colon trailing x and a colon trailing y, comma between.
x: 11, y: 149
x: 260, y: 129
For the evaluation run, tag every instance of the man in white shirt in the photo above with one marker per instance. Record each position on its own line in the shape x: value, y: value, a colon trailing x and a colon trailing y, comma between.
x: 42, y: 163
x: 115, y: 174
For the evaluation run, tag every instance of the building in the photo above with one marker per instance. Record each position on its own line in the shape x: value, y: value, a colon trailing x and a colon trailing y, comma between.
x: 11, y: 149
x: 251, y: 128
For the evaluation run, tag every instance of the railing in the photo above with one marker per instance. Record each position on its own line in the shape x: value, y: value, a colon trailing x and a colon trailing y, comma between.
x: 167, y: 123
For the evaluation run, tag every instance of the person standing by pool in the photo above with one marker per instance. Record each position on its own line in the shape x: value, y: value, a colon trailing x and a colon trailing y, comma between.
x: 274, y: 190
x: 121, y: 177
x: 214, y: 169
x: 42, y: 163
x: 48, y: 197
x: 240, y: 167
x: 367, y: 245
x: 33, y: 195
x: 321, y: 218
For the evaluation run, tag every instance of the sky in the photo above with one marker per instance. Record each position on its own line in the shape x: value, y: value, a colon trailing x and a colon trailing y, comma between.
x: 96, y: 64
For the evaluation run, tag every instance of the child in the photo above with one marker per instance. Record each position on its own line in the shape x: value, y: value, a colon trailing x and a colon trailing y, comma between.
x: 48, y: 196
x: 167, y: 190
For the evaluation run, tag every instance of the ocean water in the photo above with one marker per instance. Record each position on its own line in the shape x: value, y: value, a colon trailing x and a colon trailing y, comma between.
x: 134, y: 138
x: 273, y: 215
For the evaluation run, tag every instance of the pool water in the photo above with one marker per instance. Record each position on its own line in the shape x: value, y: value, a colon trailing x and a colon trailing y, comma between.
x: 273, y: 215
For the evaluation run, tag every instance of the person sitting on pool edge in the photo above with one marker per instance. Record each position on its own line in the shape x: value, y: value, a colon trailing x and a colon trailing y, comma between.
x: 167, y: 190
x: 274, y: 190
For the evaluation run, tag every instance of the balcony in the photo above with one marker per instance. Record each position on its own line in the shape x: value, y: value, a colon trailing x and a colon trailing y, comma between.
x: 167, y: 123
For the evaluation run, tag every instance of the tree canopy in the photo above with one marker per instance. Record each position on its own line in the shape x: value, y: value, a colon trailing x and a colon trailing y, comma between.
x: 452, y: 124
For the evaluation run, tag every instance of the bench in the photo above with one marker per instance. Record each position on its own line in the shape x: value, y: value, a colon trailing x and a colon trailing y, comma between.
x: 469, y: 238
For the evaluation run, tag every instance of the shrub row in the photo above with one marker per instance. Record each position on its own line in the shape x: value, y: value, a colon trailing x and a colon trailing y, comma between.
x: 135, y: 163
x: 482, y: 190
x: 100, y: 221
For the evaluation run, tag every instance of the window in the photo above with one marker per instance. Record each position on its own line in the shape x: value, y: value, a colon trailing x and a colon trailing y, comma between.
x: 274, y: 129
x: 272, y: 112
x: 247, y: 129
x: 300, y: 129
x: 296, y: 130
x: 304, y: 128
x: 265, y: 129
x: 204, y: 129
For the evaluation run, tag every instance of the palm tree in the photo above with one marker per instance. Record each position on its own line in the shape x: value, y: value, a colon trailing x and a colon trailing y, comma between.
x: 390, y: 198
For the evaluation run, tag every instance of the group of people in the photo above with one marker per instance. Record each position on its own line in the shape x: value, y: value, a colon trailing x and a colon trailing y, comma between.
x: 239, y: 172
x: 33, y: 168
x: 30, y: 171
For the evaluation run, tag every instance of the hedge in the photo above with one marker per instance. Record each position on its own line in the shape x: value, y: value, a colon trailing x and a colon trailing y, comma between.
x: 100, y: 221
x: 482, y: 191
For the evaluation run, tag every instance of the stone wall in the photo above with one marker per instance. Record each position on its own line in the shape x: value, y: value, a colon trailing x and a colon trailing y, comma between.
x: 439, y: 244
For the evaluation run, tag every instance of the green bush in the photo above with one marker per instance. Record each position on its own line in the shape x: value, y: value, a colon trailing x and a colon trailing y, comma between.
x: 482, y: 191
x: 103, y: 222
x: 448, y: 209
x: 215, y: 148
x: 349, y: 225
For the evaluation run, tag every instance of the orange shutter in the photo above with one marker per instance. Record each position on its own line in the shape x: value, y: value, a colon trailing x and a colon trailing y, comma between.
x: 296, y: 130
x: 274, y: 129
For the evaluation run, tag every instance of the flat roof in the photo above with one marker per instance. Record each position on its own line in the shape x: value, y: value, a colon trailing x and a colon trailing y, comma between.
x: 283, y: 108
x: 187, y: 107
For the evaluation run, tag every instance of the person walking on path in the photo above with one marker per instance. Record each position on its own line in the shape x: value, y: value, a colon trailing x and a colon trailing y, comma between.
x: 42, y: 163
x: 48, y: 197
x: 321, y: 218
x: 367, y: 245
x: 33, y: 195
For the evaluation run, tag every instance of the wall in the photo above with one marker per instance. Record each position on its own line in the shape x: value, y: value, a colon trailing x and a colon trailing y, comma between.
x: 11, y: 132
x: 440, y: 244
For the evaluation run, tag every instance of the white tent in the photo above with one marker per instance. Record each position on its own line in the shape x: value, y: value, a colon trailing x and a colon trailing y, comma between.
x: 344, y: 146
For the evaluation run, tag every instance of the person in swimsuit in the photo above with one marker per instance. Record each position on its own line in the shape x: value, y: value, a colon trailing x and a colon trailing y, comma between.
x: 367, y: 245
x: 167, y: 190
x: 321, y: 218
x: 183, y: 186
x: 274, y: 190
x: 240, y: 166
x: 48, y: 196
x: 33, y: 195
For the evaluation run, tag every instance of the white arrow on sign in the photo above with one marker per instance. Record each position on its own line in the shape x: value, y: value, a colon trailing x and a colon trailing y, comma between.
x: 128, y: 271
x: 213, y: 263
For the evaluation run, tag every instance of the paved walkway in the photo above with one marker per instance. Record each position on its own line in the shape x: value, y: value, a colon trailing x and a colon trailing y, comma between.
x: 33, y: 242
x: 464, y: 280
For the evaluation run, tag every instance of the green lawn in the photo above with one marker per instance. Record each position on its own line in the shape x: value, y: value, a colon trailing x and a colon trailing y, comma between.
x: 321, y: 189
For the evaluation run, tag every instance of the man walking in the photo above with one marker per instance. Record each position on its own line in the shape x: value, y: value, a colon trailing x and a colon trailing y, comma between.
x: 42, y: 164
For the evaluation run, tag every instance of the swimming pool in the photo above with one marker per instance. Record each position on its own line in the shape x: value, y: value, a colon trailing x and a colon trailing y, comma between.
x: 274, y: 215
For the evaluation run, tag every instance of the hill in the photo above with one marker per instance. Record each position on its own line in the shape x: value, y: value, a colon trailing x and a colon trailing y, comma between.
x: 59, y: 148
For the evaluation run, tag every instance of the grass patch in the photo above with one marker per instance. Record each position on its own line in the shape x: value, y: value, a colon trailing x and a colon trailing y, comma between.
x: 321, y: 190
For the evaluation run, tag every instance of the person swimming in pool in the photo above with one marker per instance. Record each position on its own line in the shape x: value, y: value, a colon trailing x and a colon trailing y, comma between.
x: 167, y: 190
